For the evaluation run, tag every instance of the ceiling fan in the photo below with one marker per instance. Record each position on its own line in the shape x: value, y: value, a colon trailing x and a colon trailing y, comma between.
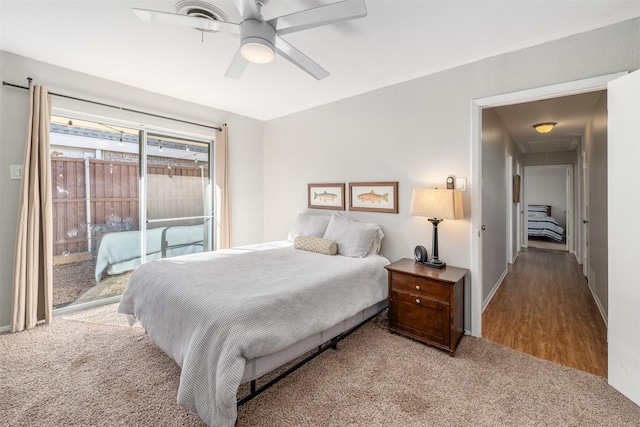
x: 260, y: 39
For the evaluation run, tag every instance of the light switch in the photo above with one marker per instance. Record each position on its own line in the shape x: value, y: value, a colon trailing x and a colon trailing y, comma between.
x: 16, y: 171
x: 461, y: 184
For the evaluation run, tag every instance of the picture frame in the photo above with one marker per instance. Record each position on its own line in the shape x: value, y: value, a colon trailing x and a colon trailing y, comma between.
x: 516, y: 188
x: 326, y: 196
x: 373, y: 197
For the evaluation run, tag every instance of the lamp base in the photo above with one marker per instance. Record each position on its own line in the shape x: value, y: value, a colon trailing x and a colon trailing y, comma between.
x: 435, y: 264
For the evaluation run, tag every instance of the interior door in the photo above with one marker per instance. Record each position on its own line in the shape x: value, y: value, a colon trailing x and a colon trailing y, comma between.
x: 623, y: 156
x: 585, y: 217
x: 494, y: 215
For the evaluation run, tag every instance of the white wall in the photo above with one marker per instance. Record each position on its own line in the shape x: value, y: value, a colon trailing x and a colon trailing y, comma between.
x: 418, y: 133
x: 245, y: 145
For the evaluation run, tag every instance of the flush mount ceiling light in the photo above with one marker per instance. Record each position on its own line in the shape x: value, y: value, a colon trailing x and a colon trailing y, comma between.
x: 544, y: 127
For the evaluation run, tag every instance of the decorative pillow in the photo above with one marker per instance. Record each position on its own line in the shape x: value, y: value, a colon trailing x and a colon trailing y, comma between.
x: 315, y: 244
x: 309, y: 225
x: 354, y: 238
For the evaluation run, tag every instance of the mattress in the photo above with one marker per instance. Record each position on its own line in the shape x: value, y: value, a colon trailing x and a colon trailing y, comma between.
x: 255, y: 368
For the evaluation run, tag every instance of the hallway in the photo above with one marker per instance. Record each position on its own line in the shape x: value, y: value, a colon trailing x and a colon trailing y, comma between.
x: 544, y: 308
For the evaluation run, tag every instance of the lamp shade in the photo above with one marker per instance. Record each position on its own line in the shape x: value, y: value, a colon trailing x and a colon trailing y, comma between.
x: 437, y: 203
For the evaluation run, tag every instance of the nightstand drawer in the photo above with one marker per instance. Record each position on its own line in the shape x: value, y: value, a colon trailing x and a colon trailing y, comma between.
x: 421, y: 318
x: 421, y: 286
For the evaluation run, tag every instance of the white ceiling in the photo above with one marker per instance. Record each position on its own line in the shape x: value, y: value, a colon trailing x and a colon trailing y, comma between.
x: 571, y: 114
x: 397, y: 41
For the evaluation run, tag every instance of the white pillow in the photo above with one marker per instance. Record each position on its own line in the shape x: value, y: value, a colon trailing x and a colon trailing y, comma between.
x: 376, y: 244
x: 354, y: 238
x: 377, y: 241
x: 309, y: 225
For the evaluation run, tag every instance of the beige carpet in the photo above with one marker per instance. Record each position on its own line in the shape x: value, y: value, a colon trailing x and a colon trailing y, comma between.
x: 79, y: 373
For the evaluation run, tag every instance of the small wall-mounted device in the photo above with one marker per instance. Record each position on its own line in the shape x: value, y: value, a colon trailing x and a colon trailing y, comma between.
x: 450, y: 185
x: 16, y: 171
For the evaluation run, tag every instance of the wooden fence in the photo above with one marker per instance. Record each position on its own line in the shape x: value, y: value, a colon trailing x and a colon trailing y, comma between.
x: 112, y: 204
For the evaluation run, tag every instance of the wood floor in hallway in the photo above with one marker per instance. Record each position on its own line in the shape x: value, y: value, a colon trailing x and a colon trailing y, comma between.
x: 545, y: 308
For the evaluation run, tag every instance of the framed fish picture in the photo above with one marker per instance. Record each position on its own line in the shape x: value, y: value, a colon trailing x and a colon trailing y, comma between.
x: 326, y: 196
x: 373, y: 196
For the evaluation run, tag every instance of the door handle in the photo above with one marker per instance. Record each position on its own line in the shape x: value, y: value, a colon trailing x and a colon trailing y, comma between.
x: 584, y: 221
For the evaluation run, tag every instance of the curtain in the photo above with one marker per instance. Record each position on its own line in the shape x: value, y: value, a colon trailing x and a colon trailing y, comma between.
x: 223, y: 189
x: 33, y: 270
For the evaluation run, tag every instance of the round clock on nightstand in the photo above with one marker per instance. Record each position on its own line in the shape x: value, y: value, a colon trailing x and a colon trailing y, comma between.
x: 420, y: 254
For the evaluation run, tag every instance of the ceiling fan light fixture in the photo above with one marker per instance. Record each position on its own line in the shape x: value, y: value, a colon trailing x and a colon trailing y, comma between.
x: 544, y: 127
x: 258, y: 41
x: 257, y: 50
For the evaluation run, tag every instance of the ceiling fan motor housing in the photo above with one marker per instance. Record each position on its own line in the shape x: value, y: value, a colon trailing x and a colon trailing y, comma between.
x: 257, y: 41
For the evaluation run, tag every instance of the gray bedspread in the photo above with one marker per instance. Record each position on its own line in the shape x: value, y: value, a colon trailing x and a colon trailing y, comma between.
x: 211, y: 312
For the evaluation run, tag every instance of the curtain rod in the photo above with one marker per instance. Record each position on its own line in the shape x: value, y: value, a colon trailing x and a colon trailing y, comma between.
x: 115, y: 106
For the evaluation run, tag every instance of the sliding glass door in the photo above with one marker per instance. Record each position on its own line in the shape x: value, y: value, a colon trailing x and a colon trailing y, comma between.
x: 177, y: 196
x: 122, y: 195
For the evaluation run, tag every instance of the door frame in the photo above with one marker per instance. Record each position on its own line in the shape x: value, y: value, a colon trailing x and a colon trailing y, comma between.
x: 477, y: 105
x: 509, y: 207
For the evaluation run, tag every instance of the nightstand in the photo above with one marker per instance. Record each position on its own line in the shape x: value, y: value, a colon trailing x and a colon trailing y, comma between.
x: 427, y: 304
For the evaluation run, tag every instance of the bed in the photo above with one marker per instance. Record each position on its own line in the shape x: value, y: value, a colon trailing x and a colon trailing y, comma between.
x: 542, y: 224
x: 120, y: 252
x: 229, y: 316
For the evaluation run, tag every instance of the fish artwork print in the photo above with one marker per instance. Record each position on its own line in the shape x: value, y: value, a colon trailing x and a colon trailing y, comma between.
x: 325, y: 196
x: 373, y: 197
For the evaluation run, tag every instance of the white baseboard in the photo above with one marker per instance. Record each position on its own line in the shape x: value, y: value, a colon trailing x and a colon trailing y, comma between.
x: 76, y: 307
x: 600, y: 307
x: 494, y: 290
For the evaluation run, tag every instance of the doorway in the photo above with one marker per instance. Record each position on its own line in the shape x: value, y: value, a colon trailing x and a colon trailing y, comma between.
x: 548, y: 198
x: 482, y: 291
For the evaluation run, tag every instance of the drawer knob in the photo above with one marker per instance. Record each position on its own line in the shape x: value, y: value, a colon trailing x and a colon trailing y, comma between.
x: 417, y: 301
x: 417, y: 287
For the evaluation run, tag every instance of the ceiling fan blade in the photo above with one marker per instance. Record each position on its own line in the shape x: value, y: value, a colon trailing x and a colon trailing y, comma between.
x: 185, y: 21
x: 237, y: 66
x: 318, y: 16
x: 300, y: 60
x: 248, y: 9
